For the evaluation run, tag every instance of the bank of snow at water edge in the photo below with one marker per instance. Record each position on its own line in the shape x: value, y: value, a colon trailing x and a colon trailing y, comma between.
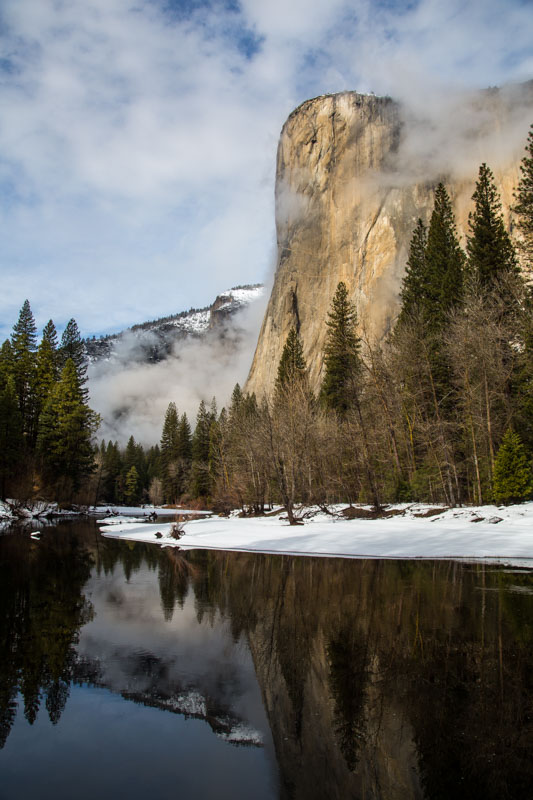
x: 13, y: 510
x: 491, y: 533
x: 142, y: 512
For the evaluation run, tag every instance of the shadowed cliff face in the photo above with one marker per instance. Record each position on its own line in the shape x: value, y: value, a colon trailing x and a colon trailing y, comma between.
x: 354, y: 173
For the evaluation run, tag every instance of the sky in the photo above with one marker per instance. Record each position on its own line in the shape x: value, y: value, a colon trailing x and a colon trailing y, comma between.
x: 138, y: 137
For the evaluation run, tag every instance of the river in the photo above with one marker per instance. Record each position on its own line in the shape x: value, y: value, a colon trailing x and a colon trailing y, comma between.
x: 146, y: 672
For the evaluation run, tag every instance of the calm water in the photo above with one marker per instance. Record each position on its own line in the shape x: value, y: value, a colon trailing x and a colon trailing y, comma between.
x: 126, y: 669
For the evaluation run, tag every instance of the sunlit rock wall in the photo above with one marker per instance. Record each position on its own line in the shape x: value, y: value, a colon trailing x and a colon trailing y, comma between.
x: 354, y: 172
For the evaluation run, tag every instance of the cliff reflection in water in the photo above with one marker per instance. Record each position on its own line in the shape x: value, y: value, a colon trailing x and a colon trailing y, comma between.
x: 380, y: 679
x: 386, y: 679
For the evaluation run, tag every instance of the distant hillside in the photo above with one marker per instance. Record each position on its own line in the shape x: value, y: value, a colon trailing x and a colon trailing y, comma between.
x: 154, y: 340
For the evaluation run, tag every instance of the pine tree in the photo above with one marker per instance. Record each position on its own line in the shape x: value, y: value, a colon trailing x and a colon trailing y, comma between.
x: 236, y: 401
x: 341, y: 354
x: 153, y: 464
x: 64, y: 442
x: 112, y: 470
x: 11, y: 437
x: 491, y: 255
x: 184, y: 439
x: 414, y: 294
x: 513, y: 476
x: 169, y: 454
x: 6, y: 362
x: 184, y: 453
x: 72, y: 346
x: 47, y: 365
x: 200, y: 478
x: 524, y: 200
x: 444, y: 263
x: 134, y: 457
x: 132, y: 481
x: 131, y: 455
x: 292, y: 366
x: 23, y: 347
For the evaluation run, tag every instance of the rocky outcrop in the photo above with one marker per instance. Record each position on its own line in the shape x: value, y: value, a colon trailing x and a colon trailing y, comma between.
x: 354, y: 172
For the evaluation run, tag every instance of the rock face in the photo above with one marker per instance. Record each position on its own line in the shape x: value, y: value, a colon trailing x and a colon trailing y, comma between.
x: 354, y: 173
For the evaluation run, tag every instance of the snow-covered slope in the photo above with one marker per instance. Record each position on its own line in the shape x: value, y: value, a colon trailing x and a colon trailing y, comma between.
x: 154, y: 340
x: 184, y: 358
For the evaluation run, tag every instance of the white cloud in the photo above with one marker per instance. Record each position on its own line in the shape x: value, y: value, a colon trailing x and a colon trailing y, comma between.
x: 137, y: 146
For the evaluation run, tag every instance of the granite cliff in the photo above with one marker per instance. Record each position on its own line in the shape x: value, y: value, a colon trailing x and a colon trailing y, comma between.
x: 354, y: 173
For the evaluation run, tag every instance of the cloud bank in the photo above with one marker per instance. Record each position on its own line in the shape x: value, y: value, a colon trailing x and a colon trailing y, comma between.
x: 132, y: 397
x: 138, y: 139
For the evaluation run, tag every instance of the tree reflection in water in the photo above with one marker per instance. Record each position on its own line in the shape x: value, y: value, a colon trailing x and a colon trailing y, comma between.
x: 43, y: 609
x: 381, y: 679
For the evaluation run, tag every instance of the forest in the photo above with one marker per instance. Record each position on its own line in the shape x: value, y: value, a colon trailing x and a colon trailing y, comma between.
x: 441, y: 411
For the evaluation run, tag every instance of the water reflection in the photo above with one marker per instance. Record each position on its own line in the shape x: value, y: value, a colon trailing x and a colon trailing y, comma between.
x: 43, y: 609
x: 374, y: 679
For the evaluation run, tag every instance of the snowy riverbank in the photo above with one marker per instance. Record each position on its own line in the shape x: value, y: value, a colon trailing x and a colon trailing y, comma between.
x: 13, y: 510
x: 491, y: 533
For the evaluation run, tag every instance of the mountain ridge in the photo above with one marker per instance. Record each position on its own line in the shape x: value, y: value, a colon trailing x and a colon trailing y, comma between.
x: 154, y: 340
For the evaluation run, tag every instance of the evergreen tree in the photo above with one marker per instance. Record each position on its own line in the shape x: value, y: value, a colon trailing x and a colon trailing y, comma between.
x: 200, y: 478
x: 184, y: 454
x: 414, y: 293
x: 72, y: 347
x: 235, y: 403
x: 170, y: 455
x: 11, y: 437
x: 134, y: 457
x: 341, y: 354
x: 491, y: 255
x: 524, y: 200
x: 444, y: 263
x: 47, y: 365
x: 153, y: 464
x: 216, y: 446
x: 132, y: 481
x: 513, y: 477
x: 292, y: 366
x: 64, y: 442
x: 131, y: 455
x: 112, y: 471
x: 23, y: 347
x: 184, y: 440
x: 6, y: 362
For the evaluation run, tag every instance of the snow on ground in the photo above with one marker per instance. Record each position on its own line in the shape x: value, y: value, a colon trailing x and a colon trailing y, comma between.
x: 488, y: 533
x: 14, y: 510
x: 143, y: 511
x: 197, y: 322
x: 6, y: 512
x: 242, y: 296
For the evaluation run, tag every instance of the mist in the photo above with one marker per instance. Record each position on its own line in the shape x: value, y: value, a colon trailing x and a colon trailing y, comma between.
x: 132, y: 397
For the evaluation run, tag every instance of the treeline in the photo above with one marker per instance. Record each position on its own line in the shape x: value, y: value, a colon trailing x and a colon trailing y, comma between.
x: 178, y: 469
x: 46, y: 425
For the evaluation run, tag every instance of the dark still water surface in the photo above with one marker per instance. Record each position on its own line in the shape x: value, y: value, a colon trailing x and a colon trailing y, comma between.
x: 126, y: 670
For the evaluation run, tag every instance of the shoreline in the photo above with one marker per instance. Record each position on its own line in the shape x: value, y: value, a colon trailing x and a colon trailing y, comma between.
x: 488, y: 534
